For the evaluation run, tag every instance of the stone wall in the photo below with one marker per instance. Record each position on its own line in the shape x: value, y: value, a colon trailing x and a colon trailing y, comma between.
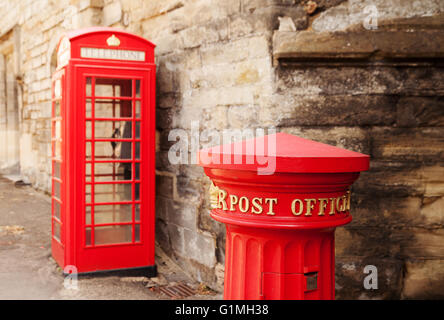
x: 215, y: 64
x: 379, y: 92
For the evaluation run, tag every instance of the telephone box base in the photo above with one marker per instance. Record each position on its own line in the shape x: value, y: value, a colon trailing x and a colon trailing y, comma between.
x: 149, y: 272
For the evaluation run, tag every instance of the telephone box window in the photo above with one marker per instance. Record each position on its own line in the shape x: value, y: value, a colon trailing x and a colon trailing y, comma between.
x: 112, y: 171
x: 56, y: 205
x: 113, y: 213
x: 56, y: 230
x: 113, y: 234
x: 105, y: 193
x: 88, y: 86
x: 137, y: 109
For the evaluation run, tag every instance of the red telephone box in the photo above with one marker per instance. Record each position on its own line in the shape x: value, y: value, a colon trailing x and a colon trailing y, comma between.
x: 280, y: 225
x: 103, y: 151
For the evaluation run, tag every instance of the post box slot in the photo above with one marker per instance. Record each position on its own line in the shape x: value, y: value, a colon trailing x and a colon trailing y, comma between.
x: 311, y: 281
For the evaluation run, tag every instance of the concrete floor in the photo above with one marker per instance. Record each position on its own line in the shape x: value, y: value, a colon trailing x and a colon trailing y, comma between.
x: 27, y: 270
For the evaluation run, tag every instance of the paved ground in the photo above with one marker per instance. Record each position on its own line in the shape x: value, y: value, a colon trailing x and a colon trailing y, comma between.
x: 27, y: 270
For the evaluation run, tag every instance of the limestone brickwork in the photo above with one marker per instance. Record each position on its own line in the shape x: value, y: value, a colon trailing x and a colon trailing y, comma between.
x: 215, y: 63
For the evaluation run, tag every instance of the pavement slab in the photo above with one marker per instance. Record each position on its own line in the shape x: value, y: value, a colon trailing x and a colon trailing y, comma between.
x: 27, y: 270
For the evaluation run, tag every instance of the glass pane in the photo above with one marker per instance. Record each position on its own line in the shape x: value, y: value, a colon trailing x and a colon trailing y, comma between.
x: 137, y: 213
x: 137, y: 88
x: 107, y: 150
x: 137, y: 171
x: 112, y: 192
x: 88, y: 193
x: 112, y: 109
x: 113, y: 234
x: 58, y: 149
x: 56, y: 209
x: 58, y: 89
x: 57, y: 189
x: 137, y: 109
x: 57, y: 169
x: 113, y: 213
x: 56, y: 229
x: 137, y: 150
x: 137, y: 129
x: 137, y: 233
x: 88, y: 172
x: 112, y: 171
x: 88, y: 215
x: 88, y: 108
x: 58, y: 129
x: 88, y: 150
x: 57, y: 112
x: 137, y: 191
x: 88, y: 130
x: 88, y: 236
x: 113, y: 129
x: 108, y: 87
x: 88, y: 87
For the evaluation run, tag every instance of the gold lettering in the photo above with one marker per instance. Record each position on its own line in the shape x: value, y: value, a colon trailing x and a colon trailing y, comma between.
x: 244, y: 208
x: 293, y: 207
x: 256, y: 206
x: 338, y: 208
x: 344, y: 203
x: 348, y: 199
x: 272, y: 201
x: 222, y: 203
x: 322, y: 206
x: 233, y: 201
x: 309, y: 206
x: 332, y: 206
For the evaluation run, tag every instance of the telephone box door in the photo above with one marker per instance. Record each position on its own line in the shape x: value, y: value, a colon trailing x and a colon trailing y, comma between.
x: 115, y: 227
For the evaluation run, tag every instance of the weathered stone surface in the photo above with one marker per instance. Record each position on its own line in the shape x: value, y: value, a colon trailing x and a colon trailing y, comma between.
x: 354, y: 12
x: 422, y: 144
x: 350, y: 277
x: 420, y: 81
x: 376, y: 45
x: 420, y: 112
x: 112, y: 13
x: 334, y: 110
x: 424, y: 279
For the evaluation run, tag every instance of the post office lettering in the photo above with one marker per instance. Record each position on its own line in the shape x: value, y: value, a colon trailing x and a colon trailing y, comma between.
x: 299, y: 207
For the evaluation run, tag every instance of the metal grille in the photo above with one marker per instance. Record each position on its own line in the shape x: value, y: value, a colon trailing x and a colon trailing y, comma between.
x: 177, y: 291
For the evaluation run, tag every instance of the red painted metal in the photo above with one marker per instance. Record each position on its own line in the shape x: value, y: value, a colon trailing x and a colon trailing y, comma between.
x: 285, y: 249
x: 103, y: 137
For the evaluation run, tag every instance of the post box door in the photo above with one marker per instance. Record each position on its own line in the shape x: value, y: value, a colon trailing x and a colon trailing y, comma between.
x: 115, y: 227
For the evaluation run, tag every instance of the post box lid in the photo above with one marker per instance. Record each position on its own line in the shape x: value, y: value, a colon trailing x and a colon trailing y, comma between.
x: 290, y: 154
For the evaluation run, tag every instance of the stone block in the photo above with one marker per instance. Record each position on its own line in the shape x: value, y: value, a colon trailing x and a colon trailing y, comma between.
x: 112, y: 13
x: 200, y: 247
x: 420, y: 112
x: 424, y: 279
x: 164, y: 185
x: 407, y: 144
x: 333, y: 110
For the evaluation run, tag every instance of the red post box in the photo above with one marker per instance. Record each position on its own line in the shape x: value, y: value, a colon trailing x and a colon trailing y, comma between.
x: 103, y: 138
x: 280, y: 222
